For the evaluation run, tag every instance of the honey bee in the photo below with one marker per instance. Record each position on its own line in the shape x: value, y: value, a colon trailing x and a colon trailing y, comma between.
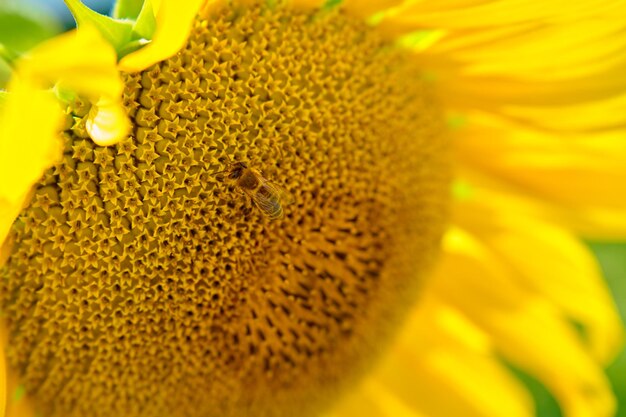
x: 267, y: 196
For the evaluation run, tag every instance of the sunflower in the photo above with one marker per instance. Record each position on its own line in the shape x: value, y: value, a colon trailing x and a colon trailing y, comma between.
x: 424, y: 164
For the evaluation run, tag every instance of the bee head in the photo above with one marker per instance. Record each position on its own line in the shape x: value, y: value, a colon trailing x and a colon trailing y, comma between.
x: 237, y: 169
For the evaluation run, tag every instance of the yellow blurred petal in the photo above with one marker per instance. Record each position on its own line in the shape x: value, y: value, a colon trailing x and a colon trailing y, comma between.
x: 578, y: 173
x: 174, y: 22
x: 361, y: 8
x: 84, y: 63
x: 8, y: 213
x: 596, y: 115
x: 549, y: 56
x: 443, y: 366
x: 525, y: 328
x: 16, y: 406
x: 30, y: 123
x: 22, y: 408
x: 541, y: 52
x: 357, y: 402
x: 306, y: 4
x: 3, y: 384
x: 80, y: 61
x: 107, y: 123
x: 487, y: 92
x: 456, y: 14
x: 551, y: 262
x: 387, y: 401
x: 592, y: 222
x: 372, y: 399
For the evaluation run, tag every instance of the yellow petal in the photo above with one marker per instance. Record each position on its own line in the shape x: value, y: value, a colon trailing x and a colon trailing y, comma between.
x: 458, y: 89
x: 593, y: 223
x: 23, y: 407
x: 540, y: 53
x: 442, y: 366
x: 31, y: 118
x: 30, y: 123
x: 552, y: 263
x: 107, y: 123
x: 84, y: 63
x: 174, y: 21
x: 360, y: 8
x: 583, y: 175
x: 552, y: 55
x: 16, y: 405
x: 419, y: 14
x: 306, y: 4
x: 372, y: 399
x: 80, y: 61
x: 593, y: 115
x: 526, y: 329
x: 3, y: 384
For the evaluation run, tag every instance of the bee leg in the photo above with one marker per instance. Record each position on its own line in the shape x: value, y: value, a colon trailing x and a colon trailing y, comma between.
x: 219, y: 175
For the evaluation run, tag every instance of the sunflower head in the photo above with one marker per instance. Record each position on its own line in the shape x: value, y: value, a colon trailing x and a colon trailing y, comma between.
x: 141, y: 284
x: 226, y: 208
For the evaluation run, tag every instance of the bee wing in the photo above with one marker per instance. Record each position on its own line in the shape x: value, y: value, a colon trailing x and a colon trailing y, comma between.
x: 268, y: 201
x: 283, y: 195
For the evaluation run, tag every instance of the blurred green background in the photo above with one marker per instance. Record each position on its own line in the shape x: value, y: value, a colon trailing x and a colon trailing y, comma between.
x: 613, y: 260
x: 23, y: 23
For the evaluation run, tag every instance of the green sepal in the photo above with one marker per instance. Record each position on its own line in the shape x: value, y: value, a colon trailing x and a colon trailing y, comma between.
x: 117, y: 32
x: 6, y: 65
x: 65, y: 96
x: 5, y: 73
x: 131, y: 47
x: 8, y: 55
x: 127, y: 9
x: 145, y: 25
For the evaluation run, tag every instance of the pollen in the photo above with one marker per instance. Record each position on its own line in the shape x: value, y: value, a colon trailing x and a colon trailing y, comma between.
x: 141, y: 284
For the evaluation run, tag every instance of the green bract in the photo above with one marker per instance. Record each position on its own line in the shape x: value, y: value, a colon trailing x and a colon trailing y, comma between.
x: 133, y: 26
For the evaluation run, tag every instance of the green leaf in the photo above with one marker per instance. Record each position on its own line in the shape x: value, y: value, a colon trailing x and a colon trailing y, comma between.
x: 21, y: 30
x: 146, y: 21
x: 6, y: 65
x: 116, y: 31
x: 7, y: 55
x: 127, y: 9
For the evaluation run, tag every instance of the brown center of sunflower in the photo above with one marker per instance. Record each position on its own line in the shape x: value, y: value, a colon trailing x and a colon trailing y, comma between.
x: 141, y: 284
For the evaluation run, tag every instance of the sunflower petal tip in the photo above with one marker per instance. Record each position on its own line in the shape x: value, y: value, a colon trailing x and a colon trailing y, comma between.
x: 174, y: 22
x: 107, y: 124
